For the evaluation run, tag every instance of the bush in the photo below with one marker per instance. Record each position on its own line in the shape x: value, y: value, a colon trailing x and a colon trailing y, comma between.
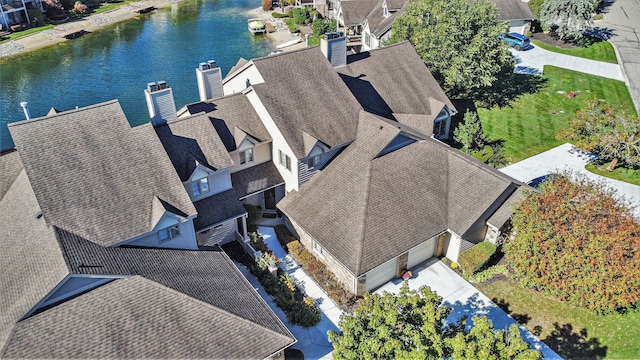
x: 257, y: 242
x: 302, y: 16
x: 291, y: 24
x: 304, y: 314
x: 254, y: 214
x: 284, y: 235
x: 267, y: 5
x: 322, y: 26
x: 474, y: 259
x: 489, y: 273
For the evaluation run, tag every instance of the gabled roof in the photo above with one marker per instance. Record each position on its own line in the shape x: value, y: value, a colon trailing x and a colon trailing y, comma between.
x: 378, y: 23
x: 217, y: 208
x: 241, y: 62
x: 394, y: 79
x: 366, y: 208
x: 10, y: 168
x: 513, y: 10
x: 256, y: 179
x: 94, y: 175
x: 355, y: 11
x: 30, y: 257
x: 304, y: 99
x: 139, y: 318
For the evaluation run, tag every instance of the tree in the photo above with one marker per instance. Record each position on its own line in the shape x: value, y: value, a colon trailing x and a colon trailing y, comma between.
x: 607, y: 131
x: 535, y: 6
x: 321, y: 26
x: 80, y: 8
x: 576, y: 241
x: 469, y: 133
x: 411, y: 326
x: 567, y: 18
x: 53, y: 7
x: 458, y: 41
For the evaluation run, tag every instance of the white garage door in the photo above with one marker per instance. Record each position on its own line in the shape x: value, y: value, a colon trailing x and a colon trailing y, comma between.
x: 381, y: 275
x: 421, y: 253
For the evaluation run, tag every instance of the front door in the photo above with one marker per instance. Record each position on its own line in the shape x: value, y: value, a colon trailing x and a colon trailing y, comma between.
x: 270, y: 199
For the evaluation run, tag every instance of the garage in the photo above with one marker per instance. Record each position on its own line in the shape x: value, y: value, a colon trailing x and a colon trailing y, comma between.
x: 422, y: 252
x: 381, y: 274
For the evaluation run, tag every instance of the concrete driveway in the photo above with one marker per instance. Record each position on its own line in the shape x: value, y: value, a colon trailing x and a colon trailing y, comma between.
x: 562, y: 158
x: 463, y: 299
x: 532, y: 61
x: 622, y: 25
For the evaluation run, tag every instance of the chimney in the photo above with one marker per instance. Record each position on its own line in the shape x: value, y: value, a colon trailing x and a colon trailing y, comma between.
x: 209, y: 77
x: 26, y: 110
x: 160, y: 102
x: 334, y: 47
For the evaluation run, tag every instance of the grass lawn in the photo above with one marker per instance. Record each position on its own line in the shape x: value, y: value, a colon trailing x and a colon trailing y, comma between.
x: 19, y: 34
x: 529, y: 124
x: 623, y: 174
x: 572, y: 332
x: 600, y: 51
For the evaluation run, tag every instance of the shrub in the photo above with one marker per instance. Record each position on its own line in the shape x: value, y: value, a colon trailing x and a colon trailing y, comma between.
x: 294, y: 248
x: 253, y: 214
x: 257, y: 242
x: 304, y: 314
x: 489, y: 273
x: 284, y: 235
x: 291, y: 24
x: 302, y: 16
x: 80, y: 8
x: 267, y: 5
x: 321, y: 26
x: 278, y: 15
x: 475, y: 258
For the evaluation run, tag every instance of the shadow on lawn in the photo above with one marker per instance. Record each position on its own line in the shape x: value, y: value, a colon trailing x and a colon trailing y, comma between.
x: 510, y: 87
x: 571, y: 344
x: 521, y: 318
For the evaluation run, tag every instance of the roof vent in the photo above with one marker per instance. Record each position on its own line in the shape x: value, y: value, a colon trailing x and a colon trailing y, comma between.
x: 152, y: 87
x: 38, y: 215
x: 203, y: 66
x: 162, y: 85
x: 212, y: 64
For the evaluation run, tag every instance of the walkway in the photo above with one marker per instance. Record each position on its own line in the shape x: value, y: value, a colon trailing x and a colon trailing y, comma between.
x: 313, y: 342
x: 463, y: 299
x: 564, y: 158
x: 533, y: 60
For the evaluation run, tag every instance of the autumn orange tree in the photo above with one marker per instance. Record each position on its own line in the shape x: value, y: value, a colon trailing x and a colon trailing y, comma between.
x: 606, y: 131
x: 576, y: 241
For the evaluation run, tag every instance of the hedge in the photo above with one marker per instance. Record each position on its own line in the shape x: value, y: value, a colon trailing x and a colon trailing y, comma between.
x: 475, y: 258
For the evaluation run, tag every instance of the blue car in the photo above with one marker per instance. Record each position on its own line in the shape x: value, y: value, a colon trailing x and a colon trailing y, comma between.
x: 515, y: 40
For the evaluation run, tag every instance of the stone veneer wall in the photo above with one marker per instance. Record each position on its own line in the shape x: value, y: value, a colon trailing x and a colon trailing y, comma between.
x: 340, y: 272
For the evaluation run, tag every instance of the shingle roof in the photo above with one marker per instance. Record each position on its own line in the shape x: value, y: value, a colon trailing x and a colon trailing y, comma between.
x: 365, y: 209
x: 10, y: 168
x: 304, y: 98
x: 138, y: 318
x: 355, y: 11
x: 500, y: 217
x: 30, y: 258
x: 209, y: 276
x: 256, y: 178
x: 95, y: 176
x: 241, y: 62
x: 378, y: 23
x: 513, y: 10
x: 217, y: 208
x: 394, y: 79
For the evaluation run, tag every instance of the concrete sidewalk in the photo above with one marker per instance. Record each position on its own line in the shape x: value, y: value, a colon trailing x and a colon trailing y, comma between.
x: 564, y: 157
x: 463, y: 299
x: 532, y: 61
x: 313, y: 341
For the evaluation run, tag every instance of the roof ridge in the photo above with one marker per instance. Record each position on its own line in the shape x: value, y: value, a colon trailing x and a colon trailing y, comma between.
x: 63, y: 113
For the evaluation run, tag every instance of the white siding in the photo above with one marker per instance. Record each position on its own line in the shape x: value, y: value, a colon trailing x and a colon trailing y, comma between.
x: 381, y: 274
x: 290, y: 177
x: 422, y: 252
x: 243, y: 79
x: 453, y: 249
x: 219, y: 234
x: 186, y: 239
x: 219, y: 181
x: 261, y: 154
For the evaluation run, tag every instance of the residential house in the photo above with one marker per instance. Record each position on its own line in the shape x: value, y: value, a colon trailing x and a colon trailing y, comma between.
x: 393, y: 199
x: 13, y: 12
x: 99, y: 253
x: 368, y: 23
x: 517, y: 13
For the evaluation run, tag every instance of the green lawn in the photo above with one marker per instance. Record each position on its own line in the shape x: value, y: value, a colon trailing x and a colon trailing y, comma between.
x: 600, y: 51
x: 572, y: 332
x: 631, y: 176
x: 19, y: 34
x: 529, y: 124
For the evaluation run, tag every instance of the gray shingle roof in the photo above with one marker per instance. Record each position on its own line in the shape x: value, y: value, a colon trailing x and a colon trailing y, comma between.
x: 394, y: 79
x: 513, y: 10
x: 10, y: 168
x: 94, y: 175
x: 256, y: 178
x: 138, y: 318
x: 365, y: 209
x: 500, y: 217
x: 355, y: 11
x: 303, y: 98
x: 217, y: 208
x: 30, y: 258
x: 378, y: 23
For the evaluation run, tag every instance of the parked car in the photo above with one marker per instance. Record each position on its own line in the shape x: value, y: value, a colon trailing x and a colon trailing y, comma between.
x: 515, y: 40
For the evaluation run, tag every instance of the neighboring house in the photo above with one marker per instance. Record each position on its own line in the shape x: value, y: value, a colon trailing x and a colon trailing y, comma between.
x: 99, y: 253
x: 517, y: 13
x: 393, y: 199
x: 13, y: 12
x: 368, y: 23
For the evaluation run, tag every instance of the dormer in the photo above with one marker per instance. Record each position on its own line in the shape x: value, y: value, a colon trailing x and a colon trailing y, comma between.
x: 442, y: 123
x: 314, y: 149
x: 385, y: 9
x: 245, y: 150
x: 401, y: 140
x: 205, y: 182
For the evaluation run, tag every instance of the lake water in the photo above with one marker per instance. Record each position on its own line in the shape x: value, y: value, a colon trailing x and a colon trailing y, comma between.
x: 118, y: 61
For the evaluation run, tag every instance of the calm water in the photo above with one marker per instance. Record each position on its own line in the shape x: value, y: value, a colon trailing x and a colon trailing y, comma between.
x: 118, y: 61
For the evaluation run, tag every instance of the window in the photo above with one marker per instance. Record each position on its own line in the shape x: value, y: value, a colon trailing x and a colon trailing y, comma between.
x: 285, y: 160
x: 200, y: 186
x: 246, y: 156
x: 317, y: 248
x: 367, y: 39
x: 169, y: 233
x: 313, y: 162
x: 440, y: 124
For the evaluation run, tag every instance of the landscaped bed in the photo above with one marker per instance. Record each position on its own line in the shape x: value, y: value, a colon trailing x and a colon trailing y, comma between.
x: 572, y: 332
x: 529, y: 125
x: 600, y: 51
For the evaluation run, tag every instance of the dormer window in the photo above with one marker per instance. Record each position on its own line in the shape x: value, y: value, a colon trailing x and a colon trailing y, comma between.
x: 200, y: 186
x: 169, y: 233
x: 313, y: 161
x: 441, y: 123
x: 246, y: 156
